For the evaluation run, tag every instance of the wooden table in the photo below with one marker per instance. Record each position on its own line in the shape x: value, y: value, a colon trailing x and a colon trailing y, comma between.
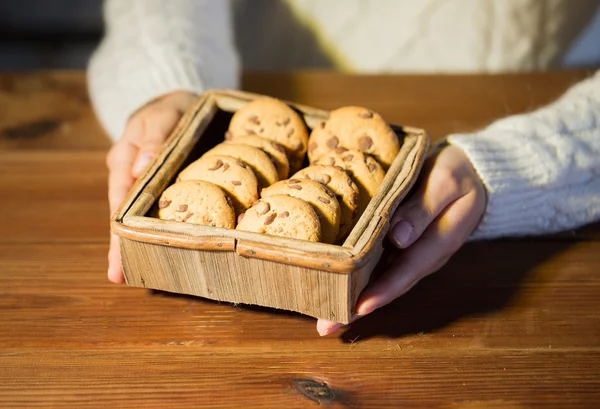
x: 506, y: 324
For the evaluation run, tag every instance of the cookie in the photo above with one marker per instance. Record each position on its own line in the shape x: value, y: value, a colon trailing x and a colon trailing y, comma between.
x: 354, y: 127
x: 366, y: 172
x: 197, y: 202
x: 282, y: 215
x: 275, y: 120
x: 275, y: 151
x: 321, y: 198
x: 232, y: 175
x: 340, y: 183
x: 259, y: 162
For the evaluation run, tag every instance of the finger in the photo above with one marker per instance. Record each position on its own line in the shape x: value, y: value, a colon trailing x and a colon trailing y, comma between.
x: 433, y: 249
x: 326, y: 327
x: 119, y: 161
x: 412, y: 218
x: 154, y: 127
x: 120, y: 179
x: 115, y: 270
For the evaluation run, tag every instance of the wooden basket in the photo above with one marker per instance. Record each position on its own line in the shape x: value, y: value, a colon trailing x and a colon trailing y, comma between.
x: 317, y: 279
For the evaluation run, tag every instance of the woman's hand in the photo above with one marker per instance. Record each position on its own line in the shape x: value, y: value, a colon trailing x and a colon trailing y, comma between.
x: 428, y: 228
x: 144, y: 134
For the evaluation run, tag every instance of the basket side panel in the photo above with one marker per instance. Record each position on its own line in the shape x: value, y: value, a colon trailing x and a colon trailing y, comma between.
x: 226, y: 276
x: 361, y: 277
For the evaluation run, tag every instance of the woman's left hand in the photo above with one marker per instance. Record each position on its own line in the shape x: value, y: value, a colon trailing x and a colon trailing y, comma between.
x: 428, y: 228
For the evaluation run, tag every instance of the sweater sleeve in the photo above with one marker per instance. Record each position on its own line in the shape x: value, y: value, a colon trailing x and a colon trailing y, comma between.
x: 541, y: 169
x: 153, y: 47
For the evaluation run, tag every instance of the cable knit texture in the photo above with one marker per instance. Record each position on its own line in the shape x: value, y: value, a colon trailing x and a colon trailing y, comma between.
x: 541, y: 170
x: 153, y: 47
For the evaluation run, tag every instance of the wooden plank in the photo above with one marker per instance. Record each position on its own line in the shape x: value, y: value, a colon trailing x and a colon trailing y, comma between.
x: 54, y: 196
x: 48, y: 110
x: 61, y: 196
x: 51, y: 110
x: 506, y: 324
x: 181, y: 376
x: 440, y: 104
x: 532, y: 313
x: 546, y: 298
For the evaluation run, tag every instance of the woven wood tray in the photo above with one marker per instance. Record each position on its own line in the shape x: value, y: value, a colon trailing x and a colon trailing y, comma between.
x: 316, y: 279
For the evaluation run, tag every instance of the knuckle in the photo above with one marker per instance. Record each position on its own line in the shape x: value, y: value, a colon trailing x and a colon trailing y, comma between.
x: 419, y: 213
x: 162, y: 115
x: 171, y: 115
x: 398, y: 214
x: 158, y: 128
x: 475, y: 201
x: 151, y: 145
x: 132, y: 131
x: 453, y: 186
x: 448, y: 178
x: 444, y: 173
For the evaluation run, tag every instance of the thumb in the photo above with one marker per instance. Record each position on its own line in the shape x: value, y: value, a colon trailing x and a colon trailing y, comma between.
x: 141, y: 161
x: 151, y: 129
x: 151, y: 126
x: 411, y: 219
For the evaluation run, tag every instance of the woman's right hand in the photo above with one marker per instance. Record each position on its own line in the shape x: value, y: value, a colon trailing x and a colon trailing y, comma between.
x: 144, y: 134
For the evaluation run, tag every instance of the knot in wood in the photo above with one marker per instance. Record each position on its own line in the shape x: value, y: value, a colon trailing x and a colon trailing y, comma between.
x: 314, y: 390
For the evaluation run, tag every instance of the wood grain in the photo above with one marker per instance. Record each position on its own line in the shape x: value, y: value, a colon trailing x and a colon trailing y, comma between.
x: 152, y: 379
x: 48, y: 110
x: 505, y: 324
x: 440, y: 104
x: 529, y: 337
x: 53, y: 196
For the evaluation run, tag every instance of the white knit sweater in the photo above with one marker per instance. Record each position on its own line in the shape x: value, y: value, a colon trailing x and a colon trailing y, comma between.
x: 541, y: 170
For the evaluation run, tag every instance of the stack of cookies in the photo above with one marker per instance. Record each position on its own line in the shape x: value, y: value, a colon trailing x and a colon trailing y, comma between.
x: 245, y: 183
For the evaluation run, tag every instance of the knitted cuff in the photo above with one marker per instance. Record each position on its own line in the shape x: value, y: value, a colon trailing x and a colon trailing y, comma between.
x: 120, y: 90
x: 512, y: 172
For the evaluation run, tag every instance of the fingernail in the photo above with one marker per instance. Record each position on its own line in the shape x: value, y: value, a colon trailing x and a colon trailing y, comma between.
x: 142, y: 160
x: 401, y: 232
x: 363, y: 310
x: 330, y: 330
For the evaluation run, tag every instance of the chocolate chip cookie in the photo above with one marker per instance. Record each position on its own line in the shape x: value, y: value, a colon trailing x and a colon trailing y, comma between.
x: 340, y: 182
x: 259, y: 162
x: 275, y: 151
x: 230, y: 174
x: 275, y: 120
x: 320, y: 197
x: 197, y: 202
x: 282, y: 215
x: 354, y: 127
x: 366, y: 172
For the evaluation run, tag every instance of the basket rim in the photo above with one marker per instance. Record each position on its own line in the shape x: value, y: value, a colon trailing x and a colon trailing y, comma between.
x: 130, y: 221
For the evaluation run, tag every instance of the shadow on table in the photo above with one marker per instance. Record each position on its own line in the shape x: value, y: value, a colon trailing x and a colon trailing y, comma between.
x: 242, y: 307
x: 480, y: 279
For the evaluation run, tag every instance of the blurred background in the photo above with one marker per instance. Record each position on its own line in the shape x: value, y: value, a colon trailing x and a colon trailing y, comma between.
x: 55, y: 34
x: 38, y: 34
